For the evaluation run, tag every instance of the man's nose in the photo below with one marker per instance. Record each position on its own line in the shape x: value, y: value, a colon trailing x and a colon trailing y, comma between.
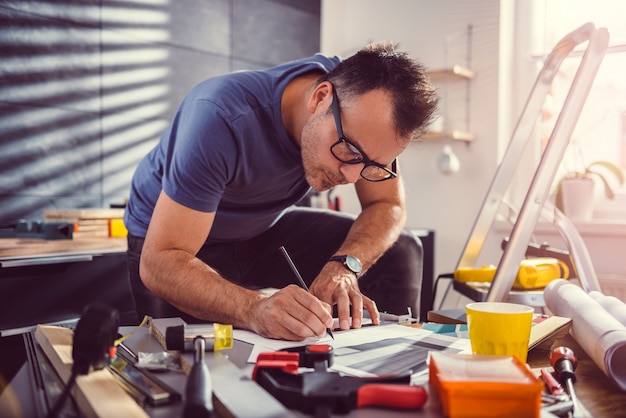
x: 351, y: 172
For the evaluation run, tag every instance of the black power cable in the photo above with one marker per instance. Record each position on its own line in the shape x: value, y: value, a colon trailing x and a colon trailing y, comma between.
x: 92, y: 346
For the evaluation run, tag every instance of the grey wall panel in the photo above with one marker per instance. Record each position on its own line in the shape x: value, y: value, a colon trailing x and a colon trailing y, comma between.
x: 47, y: 150
x: 202, y: 25
x: 71, y: 12
x: 268, y: 32
x: 48, y: 62
x: 88, y: 86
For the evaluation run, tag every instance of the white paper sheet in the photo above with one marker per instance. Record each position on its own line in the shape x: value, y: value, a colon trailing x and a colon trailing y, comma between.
x: 372, y: 350
x: 262, y: 344
x: 599, y: 333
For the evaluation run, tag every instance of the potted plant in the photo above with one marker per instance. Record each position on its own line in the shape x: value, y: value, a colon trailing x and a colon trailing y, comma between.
x: 575, y: 191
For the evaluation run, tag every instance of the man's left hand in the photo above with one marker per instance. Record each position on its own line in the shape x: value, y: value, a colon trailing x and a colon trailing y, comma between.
x: 336, y: 285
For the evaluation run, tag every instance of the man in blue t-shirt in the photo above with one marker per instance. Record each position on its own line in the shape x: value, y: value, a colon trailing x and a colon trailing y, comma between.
x: 212, y: 203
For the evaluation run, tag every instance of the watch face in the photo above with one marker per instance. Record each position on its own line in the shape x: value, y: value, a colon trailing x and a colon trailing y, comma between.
x: 353, y: 264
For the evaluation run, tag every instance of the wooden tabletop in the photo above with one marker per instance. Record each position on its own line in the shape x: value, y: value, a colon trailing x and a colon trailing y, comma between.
x: 31, y: 247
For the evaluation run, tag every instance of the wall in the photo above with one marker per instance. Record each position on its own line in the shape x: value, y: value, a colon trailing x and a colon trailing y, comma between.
x: 504, y: 56
x: 426, y: 29
x: 87, y: 86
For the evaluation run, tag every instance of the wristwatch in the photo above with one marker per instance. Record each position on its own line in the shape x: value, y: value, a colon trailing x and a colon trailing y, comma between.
x: 350, y: 262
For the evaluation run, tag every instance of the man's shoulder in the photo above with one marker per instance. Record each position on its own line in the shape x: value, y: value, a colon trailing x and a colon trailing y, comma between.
x: 317, y: 61
x: 258, y: 86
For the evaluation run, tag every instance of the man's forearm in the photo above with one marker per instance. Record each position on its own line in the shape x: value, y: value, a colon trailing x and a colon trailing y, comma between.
x: 200, y: 291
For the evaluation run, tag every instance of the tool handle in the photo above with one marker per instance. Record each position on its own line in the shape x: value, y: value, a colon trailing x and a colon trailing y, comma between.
x: 393, y: 396
x: 553, y: 385
x: 564, y: 363
x: 198, y: 390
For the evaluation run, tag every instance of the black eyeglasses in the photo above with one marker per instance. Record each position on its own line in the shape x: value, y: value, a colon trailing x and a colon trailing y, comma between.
x: 347, y: 152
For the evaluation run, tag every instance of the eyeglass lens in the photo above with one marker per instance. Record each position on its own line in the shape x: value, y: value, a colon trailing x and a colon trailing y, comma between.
x: 349, y: 154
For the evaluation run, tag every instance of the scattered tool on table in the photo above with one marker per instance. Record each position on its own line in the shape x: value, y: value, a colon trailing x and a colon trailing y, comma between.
x: 198, y: 389
x: 556, y: 402
x: 552, y: 384
x: 92, y: 346
x: 564, y: 363
x: 323, y: 392
x: 216, y: 336
x: 38, y: 230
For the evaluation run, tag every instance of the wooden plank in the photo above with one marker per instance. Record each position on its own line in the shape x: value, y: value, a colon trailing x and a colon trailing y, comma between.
x: 98, y: 394
x: 75, y: 215
x: 26, y: 247
x: 454, y: 71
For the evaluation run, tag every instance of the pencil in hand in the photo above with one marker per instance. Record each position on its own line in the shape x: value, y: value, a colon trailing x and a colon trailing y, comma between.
x: 300, y: 280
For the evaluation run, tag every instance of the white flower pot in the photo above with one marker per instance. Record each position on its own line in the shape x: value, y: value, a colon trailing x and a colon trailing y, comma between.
x: 578, y: 198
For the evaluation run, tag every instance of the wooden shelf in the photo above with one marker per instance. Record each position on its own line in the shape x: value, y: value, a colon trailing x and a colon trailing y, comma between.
x: 455, y: 135
x: 455, y: 71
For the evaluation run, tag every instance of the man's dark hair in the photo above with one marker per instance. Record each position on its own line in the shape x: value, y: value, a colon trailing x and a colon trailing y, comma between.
x: 380, y: 66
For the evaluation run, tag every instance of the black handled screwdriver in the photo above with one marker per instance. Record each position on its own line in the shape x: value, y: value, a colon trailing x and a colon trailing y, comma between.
x: 198, y: 390
x: 564, y: 363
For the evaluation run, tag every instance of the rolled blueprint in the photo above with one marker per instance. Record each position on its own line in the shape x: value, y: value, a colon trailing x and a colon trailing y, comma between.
x: 598, y: 332
x: 611, y: 304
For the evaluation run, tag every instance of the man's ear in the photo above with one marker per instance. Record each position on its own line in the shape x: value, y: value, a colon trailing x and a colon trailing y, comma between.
x: 321, y: 95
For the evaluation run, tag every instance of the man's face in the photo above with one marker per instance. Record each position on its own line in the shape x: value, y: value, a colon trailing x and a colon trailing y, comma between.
x: 367, y: 123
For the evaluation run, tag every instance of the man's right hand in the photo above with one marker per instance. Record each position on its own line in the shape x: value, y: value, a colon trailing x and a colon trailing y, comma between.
x: 292, y: 314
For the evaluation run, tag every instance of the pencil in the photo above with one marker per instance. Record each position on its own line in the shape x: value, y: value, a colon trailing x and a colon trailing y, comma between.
x: 300, y: 280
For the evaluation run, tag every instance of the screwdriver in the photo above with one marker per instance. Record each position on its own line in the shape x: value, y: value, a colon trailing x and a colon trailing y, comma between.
x: 564, y: 363
x: 198, y: 389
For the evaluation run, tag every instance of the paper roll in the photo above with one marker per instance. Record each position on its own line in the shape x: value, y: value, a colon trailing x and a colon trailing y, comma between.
x: 599, y: 333
x: 611, y: 304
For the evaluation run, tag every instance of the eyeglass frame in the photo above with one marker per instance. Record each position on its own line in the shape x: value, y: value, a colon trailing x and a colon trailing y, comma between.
x: 364, y: 158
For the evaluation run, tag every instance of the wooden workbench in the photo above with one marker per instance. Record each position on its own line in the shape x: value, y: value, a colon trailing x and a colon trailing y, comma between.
x: 43, y: 281
x: 31, y: 247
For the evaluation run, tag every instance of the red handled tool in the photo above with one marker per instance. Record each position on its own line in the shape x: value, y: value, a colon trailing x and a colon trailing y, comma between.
x: 323, y: 392
x: 552, y: 384
x: 564, y: 363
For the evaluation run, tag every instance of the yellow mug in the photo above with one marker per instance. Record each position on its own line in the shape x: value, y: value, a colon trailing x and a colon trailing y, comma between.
x: 499, y: 328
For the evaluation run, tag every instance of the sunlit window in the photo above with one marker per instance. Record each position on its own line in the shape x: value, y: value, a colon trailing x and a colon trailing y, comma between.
x: 600, y: 133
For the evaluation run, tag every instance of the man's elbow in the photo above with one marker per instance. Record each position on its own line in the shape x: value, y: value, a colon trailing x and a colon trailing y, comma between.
x: 147, y: 272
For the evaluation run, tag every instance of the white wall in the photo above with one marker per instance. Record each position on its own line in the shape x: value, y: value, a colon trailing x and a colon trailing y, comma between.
x: 448, y: 204
x: 502, y: 52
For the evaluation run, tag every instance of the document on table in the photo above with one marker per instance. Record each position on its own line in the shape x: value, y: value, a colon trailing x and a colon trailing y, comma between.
x: 261, y: 344
x: 386, y: 349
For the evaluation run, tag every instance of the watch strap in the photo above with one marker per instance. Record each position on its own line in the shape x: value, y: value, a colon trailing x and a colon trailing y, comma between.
x: 343, y: 259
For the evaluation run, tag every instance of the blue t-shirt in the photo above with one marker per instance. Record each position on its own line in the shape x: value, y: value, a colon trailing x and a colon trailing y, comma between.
x: 227, y: 151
